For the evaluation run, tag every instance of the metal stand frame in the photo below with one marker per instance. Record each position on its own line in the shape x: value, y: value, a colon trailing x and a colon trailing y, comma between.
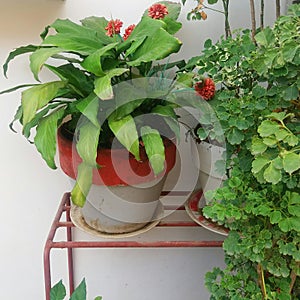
x: 63, y: 212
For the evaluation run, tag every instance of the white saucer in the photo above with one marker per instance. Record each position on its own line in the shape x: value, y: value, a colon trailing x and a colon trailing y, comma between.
x: 78, y: 221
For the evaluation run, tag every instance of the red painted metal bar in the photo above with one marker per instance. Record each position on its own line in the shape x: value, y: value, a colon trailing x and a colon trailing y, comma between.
x: 69, y: 244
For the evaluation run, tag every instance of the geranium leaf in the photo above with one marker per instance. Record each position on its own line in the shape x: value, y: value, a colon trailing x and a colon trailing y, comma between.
x: 45, y: 138
x: 291, y: 162
x: 154, y: 147
x: 272, y: 174
x: 259, y: 163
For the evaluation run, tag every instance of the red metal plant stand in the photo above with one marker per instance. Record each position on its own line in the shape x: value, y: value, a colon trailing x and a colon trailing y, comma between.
x: 62, y: 220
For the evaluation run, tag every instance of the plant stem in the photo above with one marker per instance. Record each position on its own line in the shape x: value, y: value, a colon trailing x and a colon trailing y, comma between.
x: 261, y: 281
x: 253, y: 20
x: 226, y: 12
x: 262, y: 13
x: 277, y: 9
x: 213, y: 9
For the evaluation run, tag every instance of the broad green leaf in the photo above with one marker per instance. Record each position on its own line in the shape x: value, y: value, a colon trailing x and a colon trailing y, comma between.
x: 103, y: 88
x: 154, y: 147
x: 126, y: 132
x: 281, y: 134
x: 88, y: 142
x: 258, y: 146
x: 13, y: 54
x: 89, y: 107
x: 80, y: 292
x: 291, y: 93
x: 289, y: 50
x: 37, y: 97
x: 172, y: 26
x: 58, y: 291
x: 259, y: 163
x: 272, y: 174
x: 291, y: 162
x: 235, y: 136
x: 39, y: 57
x: 77, y: 80
x: 45, y: 138
x: 290, y: 224
x: 93, y: 62
x: 258, y: 91
x: 275, y: 217
x: 294, y: 204
x: 73, y: 37
x: 267, y: 128
x: 83, y: 184
x: 265, y: 38
x: 158, y: 44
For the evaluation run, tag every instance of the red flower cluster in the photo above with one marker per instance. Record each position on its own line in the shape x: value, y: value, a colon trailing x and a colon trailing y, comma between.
x: 113, y: 27
x: 157, y: 11
x: 128, y: 31
x: 205, y: 88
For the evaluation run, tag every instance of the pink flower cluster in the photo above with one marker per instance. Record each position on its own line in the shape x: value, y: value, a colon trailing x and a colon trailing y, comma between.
x: 157, y: 11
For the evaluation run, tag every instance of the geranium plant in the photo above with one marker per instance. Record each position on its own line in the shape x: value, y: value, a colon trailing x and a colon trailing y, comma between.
x: 89, y: 60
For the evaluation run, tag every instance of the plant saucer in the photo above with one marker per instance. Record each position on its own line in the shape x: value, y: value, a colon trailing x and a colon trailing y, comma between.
x: 194, y: 210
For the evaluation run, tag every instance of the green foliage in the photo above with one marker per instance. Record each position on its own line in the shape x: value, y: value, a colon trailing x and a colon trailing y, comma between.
x: 89, y: 64
x: 58, y: 292
x: 257, y: 103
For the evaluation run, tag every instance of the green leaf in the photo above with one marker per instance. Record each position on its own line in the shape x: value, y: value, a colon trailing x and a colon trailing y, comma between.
x: 103, y: 88
x: 58, y: 291
x: 259, y: 163
x: 83, y: 184
x: 289, y: 50
x: 45, y: 138
x: 13, y: 54
x: 73, y: 37
x: 126, y: 132
x: 258, y: 91
x: 275, y: 217
x: 88, y: 143
x: 37, y: 97
x: 265, y: 38
x: 235, y: 136
x: 89, y: 107
x: 154, y: 147
x: 289, y: 224
x: 272, y: 174
x: 291, y: 162
x: 267, y: 128
x: 93, y: 62
x: 291, y: 93
x: 80, y: 292
x: 157, y: 45
x: 39, y: 57
x: 294, y: 204
x: 258, y: 146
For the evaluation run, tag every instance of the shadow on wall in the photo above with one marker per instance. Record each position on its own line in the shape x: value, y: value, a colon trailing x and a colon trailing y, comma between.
x: 21, y: 20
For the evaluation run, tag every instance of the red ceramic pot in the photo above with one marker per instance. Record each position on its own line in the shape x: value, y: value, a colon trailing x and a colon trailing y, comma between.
x: 118, y: 166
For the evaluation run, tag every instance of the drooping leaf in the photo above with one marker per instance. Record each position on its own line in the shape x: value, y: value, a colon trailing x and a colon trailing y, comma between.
x: 17, y: 52
x: 89, y: 107
x: 88, y: 142
x: 45, y: 138
x: 83, y: 184
x: 58, y: 291
x: 39, y: 57
x: 125, y: 131
x: 37, y: 97
x: 154, y: 148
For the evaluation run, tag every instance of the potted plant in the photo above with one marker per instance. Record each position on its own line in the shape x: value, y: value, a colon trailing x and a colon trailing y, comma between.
x: 257, y: 102
x: 98, y: 106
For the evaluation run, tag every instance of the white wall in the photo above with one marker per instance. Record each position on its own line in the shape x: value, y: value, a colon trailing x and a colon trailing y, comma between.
x: 30, y: 192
